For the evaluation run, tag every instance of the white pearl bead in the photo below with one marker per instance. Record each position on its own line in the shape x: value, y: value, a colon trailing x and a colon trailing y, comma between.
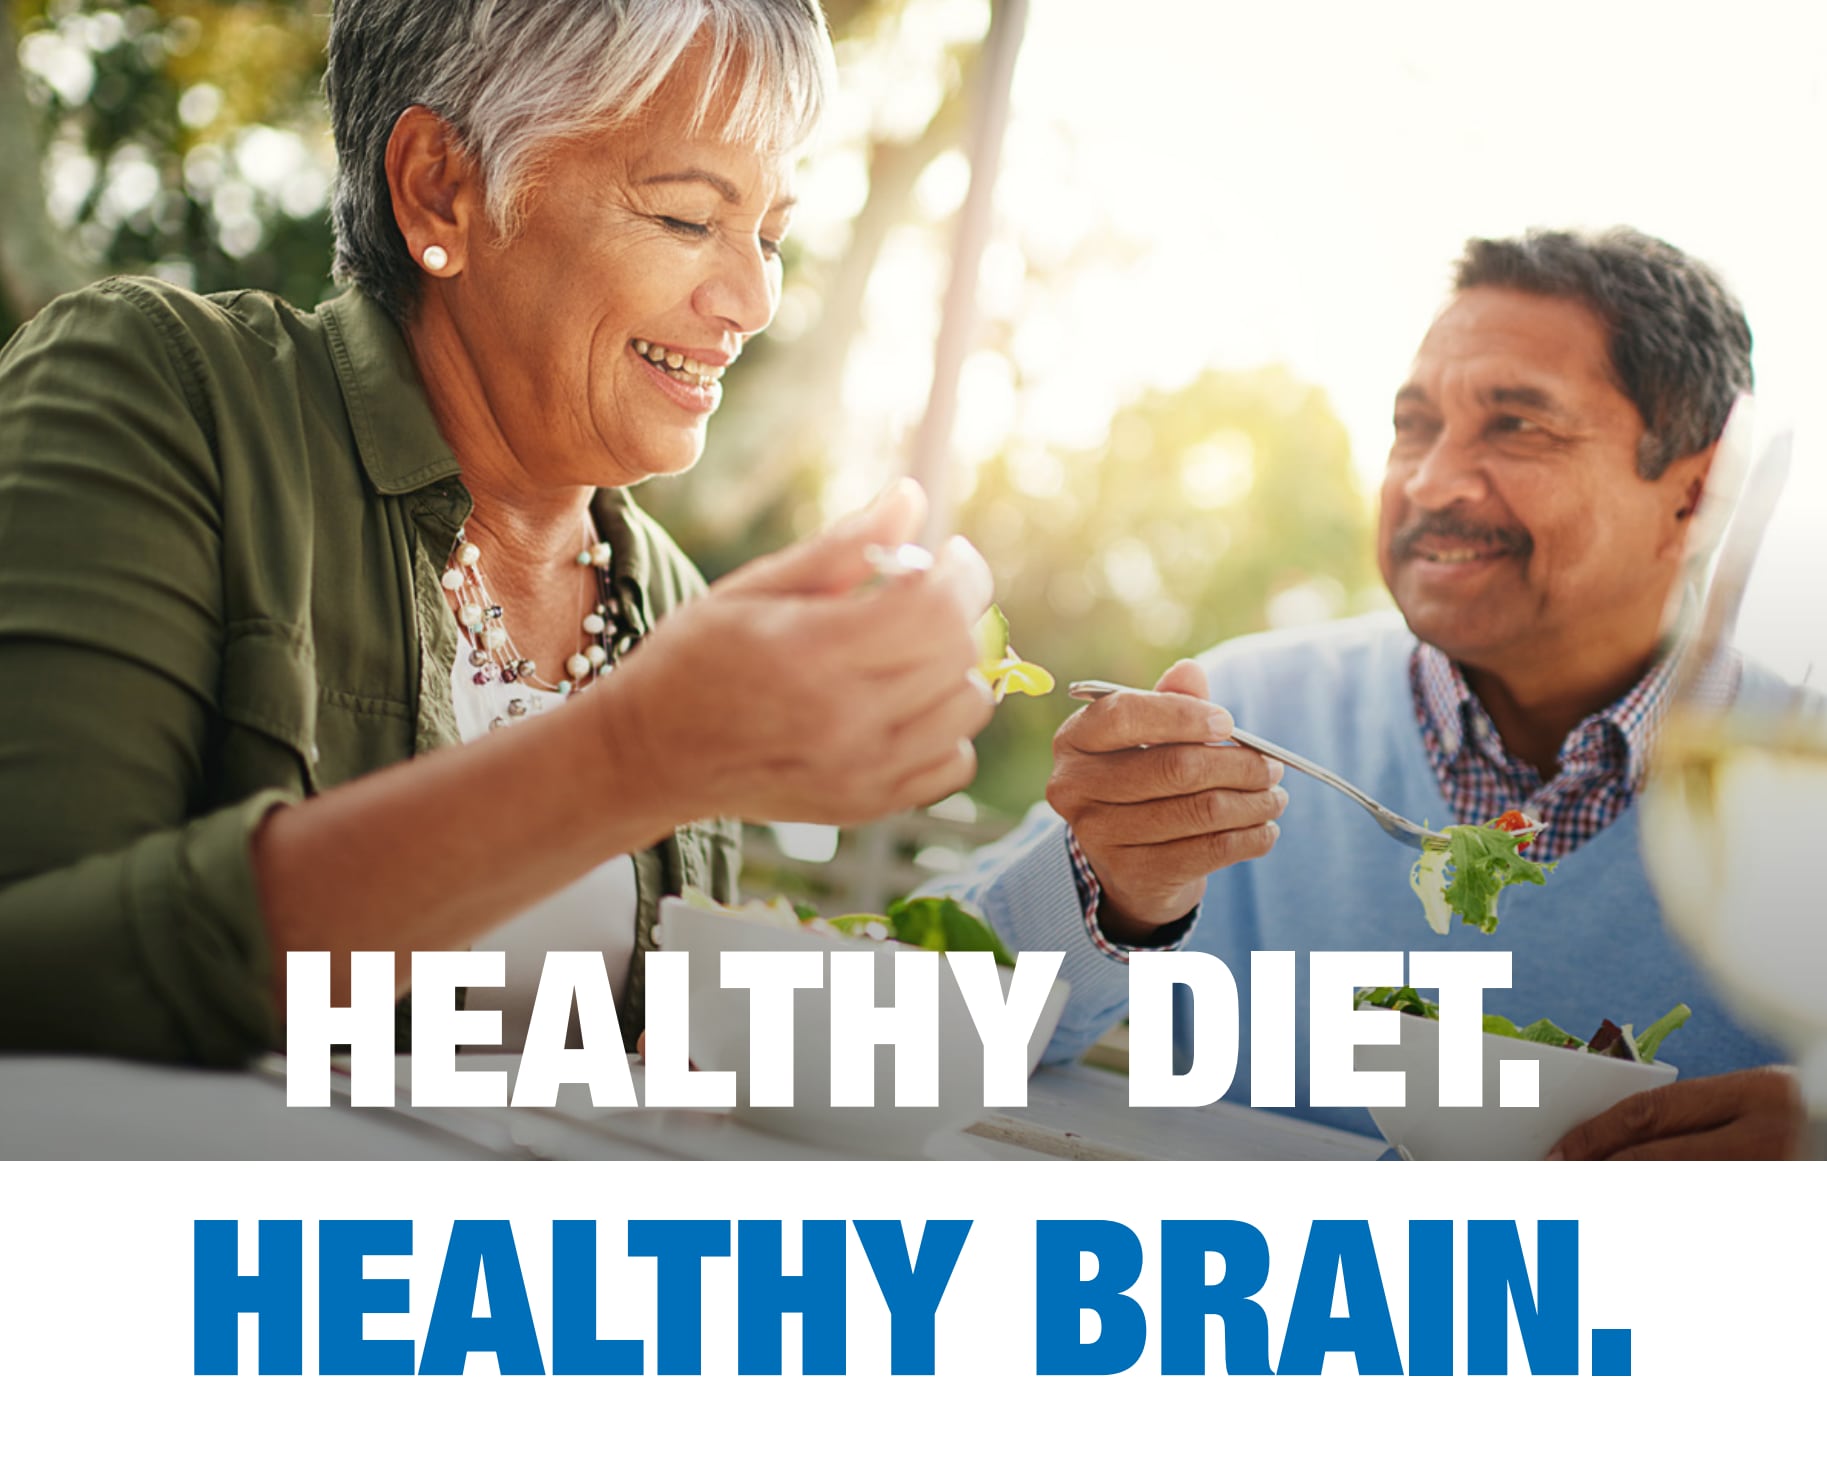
x: 468, y: 555
x: 495, y: 638
x: 594, y: 624
x: 578, y: 665
x: 452, y: 580
x: 600, y: 554
x: 470, y: 614
x: 597, y: 656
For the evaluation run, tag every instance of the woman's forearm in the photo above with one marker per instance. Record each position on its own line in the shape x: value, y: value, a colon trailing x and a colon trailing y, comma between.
x: 782, y: 695
x: 430, y: 854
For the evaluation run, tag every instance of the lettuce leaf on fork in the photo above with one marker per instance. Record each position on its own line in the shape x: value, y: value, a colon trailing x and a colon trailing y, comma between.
x: 1482, y: 861
x: 1000, y: 666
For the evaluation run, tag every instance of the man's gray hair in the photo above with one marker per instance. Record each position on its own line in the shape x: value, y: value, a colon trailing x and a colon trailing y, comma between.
x: 512, y: 77
x: 1680, y: 344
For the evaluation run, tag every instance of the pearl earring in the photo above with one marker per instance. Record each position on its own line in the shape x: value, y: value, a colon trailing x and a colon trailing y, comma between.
x: 436, y: 257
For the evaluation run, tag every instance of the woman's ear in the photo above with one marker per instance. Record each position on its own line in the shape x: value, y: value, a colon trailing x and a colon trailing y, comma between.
x: 435, y: 190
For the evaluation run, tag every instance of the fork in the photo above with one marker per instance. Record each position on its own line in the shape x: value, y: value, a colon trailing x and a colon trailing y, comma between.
x: 1396, y: 827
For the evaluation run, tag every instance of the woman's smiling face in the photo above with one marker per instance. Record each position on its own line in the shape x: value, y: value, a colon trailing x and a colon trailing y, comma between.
x: 645, y: 257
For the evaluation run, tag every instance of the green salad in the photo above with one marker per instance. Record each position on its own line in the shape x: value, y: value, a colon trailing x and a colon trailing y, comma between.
x: 937, y: 924
x: 1613, y: 1040
x: 1466, y: 867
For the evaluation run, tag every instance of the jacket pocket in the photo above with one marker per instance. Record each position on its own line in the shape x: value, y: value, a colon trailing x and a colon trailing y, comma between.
x: 268, y: 700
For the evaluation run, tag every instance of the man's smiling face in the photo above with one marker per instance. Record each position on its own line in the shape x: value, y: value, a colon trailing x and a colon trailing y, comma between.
x: 1514, y: 529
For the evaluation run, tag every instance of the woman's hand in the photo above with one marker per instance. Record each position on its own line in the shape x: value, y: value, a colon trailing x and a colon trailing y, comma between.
x: 796, y: 690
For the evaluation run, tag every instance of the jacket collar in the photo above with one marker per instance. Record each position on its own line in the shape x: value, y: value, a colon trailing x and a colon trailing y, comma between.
x: 401, y: 447
x: 398, y: 438
x: 620, y: 522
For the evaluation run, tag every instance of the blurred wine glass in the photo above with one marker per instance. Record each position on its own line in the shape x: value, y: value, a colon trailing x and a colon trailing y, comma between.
x: 1735, y: 813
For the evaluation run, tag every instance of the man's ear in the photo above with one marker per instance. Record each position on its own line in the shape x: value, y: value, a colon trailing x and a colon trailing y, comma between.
x: 434, y: 187
x: 1690, y: 504
x: 1685, y: 485
x: 1683, y: 494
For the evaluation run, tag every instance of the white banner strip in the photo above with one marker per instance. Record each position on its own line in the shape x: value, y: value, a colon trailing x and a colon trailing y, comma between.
x: 815, y: 1311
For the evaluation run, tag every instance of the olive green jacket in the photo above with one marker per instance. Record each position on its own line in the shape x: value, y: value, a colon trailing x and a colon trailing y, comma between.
x: 222, y: 527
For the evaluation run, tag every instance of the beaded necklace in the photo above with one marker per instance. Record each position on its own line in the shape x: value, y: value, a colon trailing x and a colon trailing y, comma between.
x: 493, y: 654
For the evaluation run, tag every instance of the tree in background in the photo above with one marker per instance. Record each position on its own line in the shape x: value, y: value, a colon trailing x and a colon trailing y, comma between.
x: 1224, y: 507
x: 186, y: 139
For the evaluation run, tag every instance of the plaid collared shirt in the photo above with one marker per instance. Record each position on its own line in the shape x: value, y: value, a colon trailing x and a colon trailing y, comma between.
x: 1603, y: 765
x: 1090, y: 892
x: 1603, y: 762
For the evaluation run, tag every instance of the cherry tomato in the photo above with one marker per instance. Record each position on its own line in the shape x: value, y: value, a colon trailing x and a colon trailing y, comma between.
x: 1513, y: 820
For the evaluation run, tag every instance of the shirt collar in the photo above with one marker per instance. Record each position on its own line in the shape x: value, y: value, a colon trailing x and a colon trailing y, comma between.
x: 1458, y: 718
x: 381, y: 386
x: 1442, y: 692
x: 621, y: 523
x: 396, y: 434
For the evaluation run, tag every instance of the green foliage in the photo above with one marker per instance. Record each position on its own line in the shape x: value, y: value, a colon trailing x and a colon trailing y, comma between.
x: 186, y: 138
x: 1209, y: 512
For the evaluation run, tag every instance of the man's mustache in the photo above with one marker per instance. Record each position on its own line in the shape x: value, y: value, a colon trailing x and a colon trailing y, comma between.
x: 1449, y: 525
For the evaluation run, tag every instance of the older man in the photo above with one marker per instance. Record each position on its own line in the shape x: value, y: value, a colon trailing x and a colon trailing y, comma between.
x: 1551, y: 446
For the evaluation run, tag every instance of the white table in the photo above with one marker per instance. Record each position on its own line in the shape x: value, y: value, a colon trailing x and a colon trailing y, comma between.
x: 67, y: 1108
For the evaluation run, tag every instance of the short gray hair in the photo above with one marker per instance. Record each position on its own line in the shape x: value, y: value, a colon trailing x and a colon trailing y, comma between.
x: 512, y: 77
x: 1680, y: 344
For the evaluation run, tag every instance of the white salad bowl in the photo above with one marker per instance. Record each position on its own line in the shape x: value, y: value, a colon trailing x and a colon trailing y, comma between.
x: 1572, y: 1086
x: 720, y: 1037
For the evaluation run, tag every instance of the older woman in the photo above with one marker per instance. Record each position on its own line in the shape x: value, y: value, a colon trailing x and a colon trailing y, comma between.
x: 254, y: 562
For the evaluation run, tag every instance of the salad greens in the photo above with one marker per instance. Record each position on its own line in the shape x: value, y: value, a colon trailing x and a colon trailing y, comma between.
x: 999, y: 665
x: 1482, y: 860
x: 1615, y: 1041
x: 937, y: 924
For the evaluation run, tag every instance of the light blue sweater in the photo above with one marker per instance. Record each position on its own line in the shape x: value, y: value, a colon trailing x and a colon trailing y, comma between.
x: 1588, y: 946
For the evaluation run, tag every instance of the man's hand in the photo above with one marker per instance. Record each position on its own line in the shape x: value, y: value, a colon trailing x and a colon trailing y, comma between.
x: 1746, y: 1115
x: 1155, y: 807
